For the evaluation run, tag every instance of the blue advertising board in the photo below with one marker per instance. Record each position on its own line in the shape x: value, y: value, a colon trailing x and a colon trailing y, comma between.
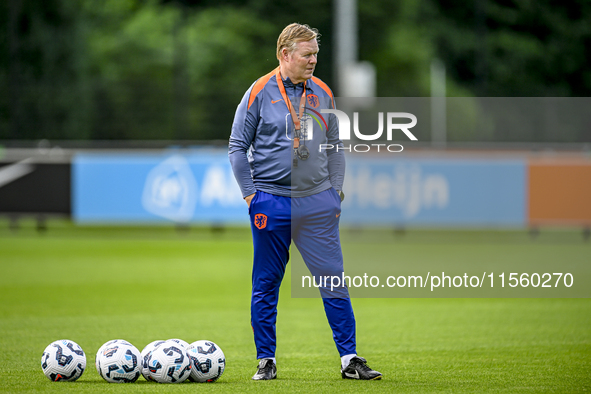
x: 442, y: 192
x: 152, y: 188
x: 199, y: 187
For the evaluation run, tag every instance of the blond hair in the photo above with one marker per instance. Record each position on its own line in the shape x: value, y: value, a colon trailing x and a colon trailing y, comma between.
x: 294, y: 33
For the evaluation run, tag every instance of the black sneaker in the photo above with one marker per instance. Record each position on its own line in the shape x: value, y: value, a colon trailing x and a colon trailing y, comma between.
x: 267, y: 370
x: 358, y: 369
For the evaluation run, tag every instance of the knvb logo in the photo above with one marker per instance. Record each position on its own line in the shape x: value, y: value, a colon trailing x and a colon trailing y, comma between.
x: 345, y: 131
x: 260, y: 221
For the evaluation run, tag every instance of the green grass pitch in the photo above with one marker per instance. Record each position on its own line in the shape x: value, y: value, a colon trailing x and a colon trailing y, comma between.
x: 91, y: 285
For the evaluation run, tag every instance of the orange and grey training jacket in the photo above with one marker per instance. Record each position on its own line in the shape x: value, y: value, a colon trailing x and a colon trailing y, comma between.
x: 261, y: 147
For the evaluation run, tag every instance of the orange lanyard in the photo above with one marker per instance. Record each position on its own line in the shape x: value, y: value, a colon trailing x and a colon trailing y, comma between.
x: 294, y: 117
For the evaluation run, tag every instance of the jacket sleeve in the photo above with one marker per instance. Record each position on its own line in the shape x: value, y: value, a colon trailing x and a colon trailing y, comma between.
x: 243, y: 133
x: 336, y: 159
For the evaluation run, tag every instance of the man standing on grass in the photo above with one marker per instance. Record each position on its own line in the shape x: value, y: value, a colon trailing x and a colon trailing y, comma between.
x: 293, y: 191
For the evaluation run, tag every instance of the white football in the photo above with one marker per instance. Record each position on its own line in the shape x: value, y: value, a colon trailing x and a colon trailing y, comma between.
x: 169, y: 363
x: 208, y: 361
x: 145, y: 355
x: 118, y: 361
x: 63, y: 360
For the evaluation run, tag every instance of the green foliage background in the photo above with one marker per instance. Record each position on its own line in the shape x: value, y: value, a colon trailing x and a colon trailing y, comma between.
x: 149, y: 69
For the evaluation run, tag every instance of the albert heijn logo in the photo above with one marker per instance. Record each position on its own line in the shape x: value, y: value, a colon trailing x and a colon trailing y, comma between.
x: 260, y: 220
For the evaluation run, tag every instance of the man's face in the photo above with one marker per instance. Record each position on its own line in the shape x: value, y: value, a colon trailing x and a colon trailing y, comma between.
x: 302, y: 61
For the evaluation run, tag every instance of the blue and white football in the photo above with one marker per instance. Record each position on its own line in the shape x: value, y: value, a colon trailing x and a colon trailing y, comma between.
x: 118, y: 361
x: 63, y: 360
